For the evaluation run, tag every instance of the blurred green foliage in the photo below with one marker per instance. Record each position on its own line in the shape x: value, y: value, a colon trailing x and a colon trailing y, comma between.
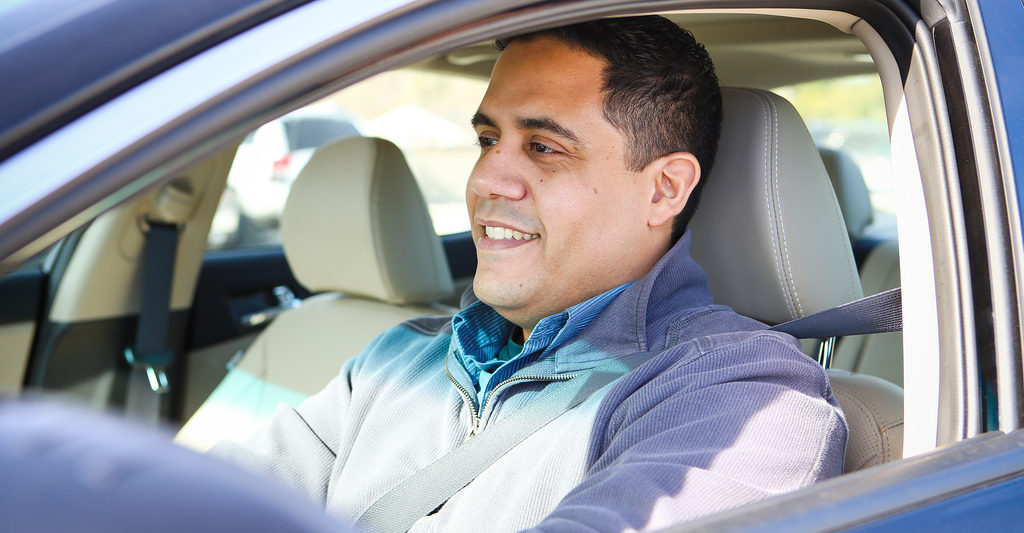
x: 852, y: 98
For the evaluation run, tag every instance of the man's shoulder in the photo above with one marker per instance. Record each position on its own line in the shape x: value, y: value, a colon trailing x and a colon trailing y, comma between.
x: 429, y: 325
x: 719, y: 345
x: 410, y: 339
x: 718, y: 326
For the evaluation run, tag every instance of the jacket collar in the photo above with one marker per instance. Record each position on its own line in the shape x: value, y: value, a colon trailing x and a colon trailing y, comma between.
x: 637, y: 320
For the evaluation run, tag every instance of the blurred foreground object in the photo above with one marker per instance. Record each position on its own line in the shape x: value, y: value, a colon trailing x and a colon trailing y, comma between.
x: 70, y: 470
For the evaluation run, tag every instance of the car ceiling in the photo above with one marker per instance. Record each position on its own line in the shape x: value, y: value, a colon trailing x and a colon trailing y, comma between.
x: 760, y: 51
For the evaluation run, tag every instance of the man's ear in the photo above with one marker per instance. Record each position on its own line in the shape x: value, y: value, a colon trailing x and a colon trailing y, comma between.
x: 675, y: 176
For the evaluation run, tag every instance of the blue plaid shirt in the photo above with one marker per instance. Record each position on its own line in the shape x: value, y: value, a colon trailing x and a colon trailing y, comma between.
x: 481, y: 334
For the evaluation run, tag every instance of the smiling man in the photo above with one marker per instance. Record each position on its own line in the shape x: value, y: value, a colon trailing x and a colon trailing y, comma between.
x: 595, y: 141
x: 563, y: 209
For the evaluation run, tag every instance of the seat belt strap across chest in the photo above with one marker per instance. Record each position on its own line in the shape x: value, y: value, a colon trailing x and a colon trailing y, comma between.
x: 432, y: 486
x: 878, y: 313
x: 423, y: 492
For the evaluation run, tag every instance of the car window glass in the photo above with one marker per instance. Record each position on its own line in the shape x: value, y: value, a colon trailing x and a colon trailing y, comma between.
x: 426, y: 114
x: 313, y: 132
x: 857, y: 128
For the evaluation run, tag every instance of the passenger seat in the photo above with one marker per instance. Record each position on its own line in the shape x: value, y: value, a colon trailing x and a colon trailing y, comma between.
x: 853, y: 197
x: 357, y: 233
x: 877, y: 255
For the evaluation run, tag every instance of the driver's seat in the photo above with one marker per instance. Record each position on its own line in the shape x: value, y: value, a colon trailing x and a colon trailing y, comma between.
x: 771, y: 237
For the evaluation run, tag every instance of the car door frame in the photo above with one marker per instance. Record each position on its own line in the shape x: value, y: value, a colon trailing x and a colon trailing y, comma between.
x: 983, y: 253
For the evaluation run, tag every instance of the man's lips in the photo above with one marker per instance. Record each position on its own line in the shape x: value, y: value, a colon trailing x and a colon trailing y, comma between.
x: 498, y: 236
x: 499, y: 232
x: 489, y: 244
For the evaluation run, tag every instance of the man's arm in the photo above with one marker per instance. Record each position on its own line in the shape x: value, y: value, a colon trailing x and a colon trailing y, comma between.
x: 297, y: 446
x: 731, y: 426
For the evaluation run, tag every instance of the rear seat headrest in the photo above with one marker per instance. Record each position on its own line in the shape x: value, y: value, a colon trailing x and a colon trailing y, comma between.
x: 768, y: 230
x: 355, y: 222
x: 851, y: 191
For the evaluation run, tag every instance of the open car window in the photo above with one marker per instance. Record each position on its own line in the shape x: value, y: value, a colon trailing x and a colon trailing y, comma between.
x: 424, y: 113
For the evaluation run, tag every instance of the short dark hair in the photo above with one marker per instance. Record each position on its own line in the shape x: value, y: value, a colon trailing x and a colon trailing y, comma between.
x: 662, y: 91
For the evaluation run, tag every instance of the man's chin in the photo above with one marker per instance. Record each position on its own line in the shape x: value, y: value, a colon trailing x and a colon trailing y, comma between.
x: 504, y: 297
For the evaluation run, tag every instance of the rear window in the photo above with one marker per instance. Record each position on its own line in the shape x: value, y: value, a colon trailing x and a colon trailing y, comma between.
x: 313, y: 132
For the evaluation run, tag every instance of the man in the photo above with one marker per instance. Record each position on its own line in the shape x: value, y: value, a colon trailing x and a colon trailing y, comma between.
x: 595, y: 141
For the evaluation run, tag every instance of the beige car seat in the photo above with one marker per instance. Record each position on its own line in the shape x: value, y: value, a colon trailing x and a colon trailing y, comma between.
x: 771, y: 237
x: 356, y: 231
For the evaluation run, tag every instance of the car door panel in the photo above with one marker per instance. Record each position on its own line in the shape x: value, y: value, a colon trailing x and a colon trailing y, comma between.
x: 22, y: 293
x: 234, y: 283
x: 893, y: 496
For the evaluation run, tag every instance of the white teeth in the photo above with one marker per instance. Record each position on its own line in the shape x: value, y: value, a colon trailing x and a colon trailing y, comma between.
x: 499, y: 233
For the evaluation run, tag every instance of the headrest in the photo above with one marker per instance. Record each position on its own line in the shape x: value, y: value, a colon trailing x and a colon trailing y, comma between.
x: 851, y: 191
x: 768, y: 230
x: 355, y: 222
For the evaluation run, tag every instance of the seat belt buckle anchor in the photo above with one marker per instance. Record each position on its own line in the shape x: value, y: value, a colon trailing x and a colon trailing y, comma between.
x: 154, y: 365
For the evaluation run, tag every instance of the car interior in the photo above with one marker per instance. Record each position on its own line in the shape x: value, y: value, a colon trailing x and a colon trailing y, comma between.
x: 786, y: 228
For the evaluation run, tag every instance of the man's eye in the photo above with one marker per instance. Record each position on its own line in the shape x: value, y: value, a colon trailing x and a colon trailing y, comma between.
x: 540, y: 148
x: 486, y: 142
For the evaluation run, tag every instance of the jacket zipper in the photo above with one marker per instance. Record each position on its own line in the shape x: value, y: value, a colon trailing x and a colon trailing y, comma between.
x: 483, y: 408
x: 476, y: 414
x: 475, y: 427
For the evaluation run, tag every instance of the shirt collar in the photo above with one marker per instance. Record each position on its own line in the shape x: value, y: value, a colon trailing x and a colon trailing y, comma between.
x: 480, y: 332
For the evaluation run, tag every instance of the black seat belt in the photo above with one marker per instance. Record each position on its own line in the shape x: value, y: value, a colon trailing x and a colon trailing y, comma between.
x: 151, y: 354
x: 878, y: 313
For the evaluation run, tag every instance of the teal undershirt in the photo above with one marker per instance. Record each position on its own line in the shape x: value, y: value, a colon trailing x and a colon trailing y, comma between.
x: 505, y: 354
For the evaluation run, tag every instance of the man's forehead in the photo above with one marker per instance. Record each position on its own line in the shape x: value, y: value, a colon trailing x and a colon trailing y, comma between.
x: 542, y: 83
x: 545, y: 62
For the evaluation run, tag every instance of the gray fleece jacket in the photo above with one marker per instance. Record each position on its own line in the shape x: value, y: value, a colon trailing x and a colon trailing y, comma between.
x: 725, y: 413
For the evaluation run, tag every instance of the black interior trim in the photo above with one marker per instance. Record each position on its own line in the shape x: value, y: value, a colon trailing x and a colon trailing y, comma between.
x: 22, y: 293
x: 76, y: 352
x: 59, y: 261
x: 461, y: 254
x: 232, y: 283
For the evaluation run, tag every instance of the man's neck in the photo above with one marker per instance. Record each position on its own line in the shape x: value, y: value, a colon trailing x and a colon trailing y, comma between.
x: 519, y: 335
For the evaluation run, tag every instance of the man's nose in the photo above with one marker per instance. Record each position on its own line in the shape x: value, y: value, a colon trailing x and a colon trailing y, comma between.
x: 496, y: 175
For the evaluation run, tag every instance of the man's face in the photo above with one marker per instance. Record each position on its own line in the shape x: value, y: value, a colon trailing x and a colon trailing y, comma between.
x: 557, y: 218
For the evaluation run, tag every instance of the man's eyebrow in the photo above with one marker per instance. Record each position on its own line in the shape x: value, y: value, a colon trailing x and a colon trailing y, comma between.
x: 547, y: 124
x: 530, y: 123
x: 480, y: 119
